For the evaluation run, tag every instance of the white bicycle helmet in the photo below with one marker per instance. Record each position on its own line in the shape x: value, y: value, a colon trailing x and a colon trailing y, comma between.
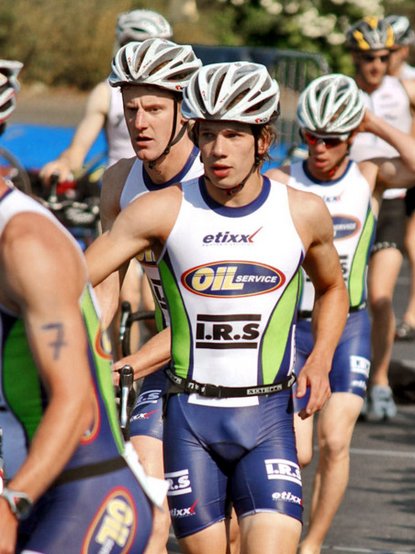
x: 9, y: 86
x: 331, y: 104
x: 140, y: 25
x: 156, y: 62
x: 235, y: 91
x: 370, y: 33
x: 402, y: 29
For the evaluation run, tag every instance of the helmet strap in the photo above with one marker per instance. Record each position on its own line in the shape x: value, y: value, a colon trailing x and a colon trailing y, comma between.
x: 174, y: 139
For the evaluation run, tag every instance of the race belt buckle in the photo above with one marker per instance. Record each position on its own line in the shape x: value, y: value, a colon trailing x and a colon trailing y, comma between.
x: 211, y: 391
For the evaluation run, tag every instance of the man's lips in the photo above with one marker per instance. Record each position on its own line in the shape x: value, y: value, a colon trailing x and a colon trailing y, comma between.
x: 221, y: 170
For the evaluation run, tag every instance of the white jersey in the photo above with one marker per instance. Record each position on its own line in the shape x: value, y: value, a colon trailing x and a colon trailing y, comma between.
x: 407, y: 71
x: 390, y: 102
x: 119, y: 143
x: 137, y: 183
x: 231, y: 278
x: 348, y: 200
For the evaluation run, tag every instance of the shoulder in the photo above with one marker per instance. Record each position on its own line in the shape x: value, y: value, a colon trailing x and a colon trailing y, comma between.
x: 279, y: 174
x: 409, y: 86
x: 113, y: 182
x: 99, y: 98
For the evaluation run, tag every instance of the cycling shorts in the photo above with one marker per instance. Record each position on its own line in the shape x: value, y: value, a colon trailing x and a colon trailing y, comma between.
x: 410, y: 201
x: 243, y: 455
x: 147, y: 415
x: 390, y: 229
x: 351, y: 361
x: 106, y: 513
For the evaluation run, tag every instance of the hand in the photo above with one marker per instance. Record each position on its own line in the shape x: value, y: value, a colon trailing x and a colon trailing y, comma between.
x: 57, y: 167
x: 315, y: 381
x: 8, y: 529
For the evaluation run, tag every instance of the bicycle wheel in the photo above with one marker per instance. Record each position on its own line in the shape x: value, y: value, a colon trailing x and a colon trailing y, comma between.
x: 12, y: 169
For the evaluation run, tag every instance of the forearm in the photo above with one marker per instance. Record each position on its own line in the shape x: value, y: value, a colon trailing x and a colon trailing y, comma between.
x: 153, y: 355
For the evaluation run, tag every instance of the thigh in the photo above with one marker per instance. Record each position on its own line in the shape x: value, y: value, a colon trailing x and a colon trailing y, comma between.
x: 351, y: 361
x: 147, y: 415
x: 381, y: 283
x: 390, y: 229
x: 105, y: 513
x: 268, y: 478
x: 197, y: 485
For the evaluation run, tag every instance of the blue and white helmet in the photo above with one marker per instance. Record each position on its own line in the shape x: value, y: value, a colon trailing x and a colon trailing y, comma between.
x: 235, y: 91
x: 9, y: 86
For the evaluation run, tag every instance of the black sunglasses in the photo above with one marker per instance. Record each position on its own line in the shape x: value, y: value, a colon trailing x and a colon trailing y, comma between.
x: 369, y: 58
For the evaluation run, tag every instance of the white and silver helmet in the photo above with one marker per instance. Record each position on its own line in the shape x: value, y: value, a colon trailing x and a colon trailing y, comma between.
x: 370, y: 33
x: 9, y: 86
x: 155, y: 62
x: 402, y: 29
x: 139, y: 25
x: 235, y: 91
x: 331, y: 104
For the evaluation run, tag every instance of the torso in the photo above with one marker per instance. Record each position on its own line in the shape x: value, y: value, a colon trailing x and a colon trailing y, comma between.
x: 390, y: 102
x: 119, y: 143
x: 348, y: 200
x: 231, y: 293
x: 137, y: 183
x: 22, y: 393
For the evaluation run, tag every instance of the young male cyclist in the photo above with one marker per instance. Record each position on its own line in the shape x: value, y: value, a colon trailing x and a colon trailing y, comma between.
x: 229, y: 246
x: 370, y: 42
x: 331, y: 111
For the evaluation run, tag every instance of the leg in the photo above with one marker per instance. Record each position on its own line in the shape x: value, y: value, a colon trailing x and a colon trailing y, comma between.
x: 381, y: 285
x: 269, y: 532
x: 233, y: 534
x: 304, y: 439
x: 150, y: 452
x: 409, y: 315
x: 334, y: 437
x: 212, y: 539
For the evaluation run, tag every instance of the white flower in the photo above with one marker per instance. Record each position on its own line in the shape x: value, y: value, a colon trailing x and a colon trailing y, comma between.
x: 272, y: 7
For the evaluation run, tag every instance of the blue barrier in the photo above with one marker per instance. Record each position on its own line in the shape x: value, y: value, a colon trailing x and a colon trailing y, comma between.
x: 35, y: 145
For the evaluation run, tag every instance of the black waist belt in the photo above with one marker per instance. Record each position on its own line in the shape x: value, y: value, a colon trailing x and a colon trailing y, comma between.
x: 306, y: 314
x: 217, y: 391
x: 91, y: 470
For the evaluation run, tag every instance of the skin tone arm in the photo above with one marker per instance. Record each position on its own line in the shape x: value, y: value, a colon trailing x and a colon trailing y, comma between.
x: 33, y: 268
x: 321, y: 263
x: 71, y: 160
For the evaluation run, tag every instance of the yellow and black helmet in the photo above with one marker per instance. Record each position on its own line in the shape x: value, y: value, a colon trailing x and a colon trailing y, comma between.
x: 370, y: 33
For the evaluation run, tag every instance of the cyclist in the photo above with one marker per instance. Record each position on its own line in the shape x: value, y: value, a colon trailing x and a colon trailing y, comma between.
x: 370, y: 41
x: 229, y: 247
x: 104, y: 110
x: 151, y: 75
x: 331, y: 111
x: 56, y: 386
x: 398, y: 67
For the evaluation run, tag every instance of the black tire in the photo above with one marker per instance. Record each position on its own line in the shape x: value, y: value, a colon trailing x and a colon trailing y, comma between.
x: 12, y: 169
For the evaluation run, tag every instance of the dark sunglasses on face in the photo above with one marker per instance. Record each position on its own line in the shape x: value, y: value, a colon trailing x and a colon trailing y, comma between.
x: 329, y: 141
x: 369, y: 58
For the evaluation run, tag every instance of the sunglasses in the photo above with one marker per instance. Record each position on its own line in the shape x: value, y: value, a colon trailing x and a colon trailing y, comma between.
x: 329, y: 141
x: 370, y: 58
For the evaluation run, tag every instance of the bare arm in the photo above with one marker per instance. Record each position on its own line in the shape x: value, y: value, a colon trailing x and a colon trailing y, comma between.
x: 71, y: 160
x: 43, y: 276
x: 331, y: 305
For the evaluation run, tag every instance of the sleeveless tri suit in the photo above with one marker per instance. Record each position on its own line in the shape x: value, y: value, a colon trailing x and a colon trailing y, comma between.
x: 348, y: 200
x: 231, y: 280
x: 96, y: 504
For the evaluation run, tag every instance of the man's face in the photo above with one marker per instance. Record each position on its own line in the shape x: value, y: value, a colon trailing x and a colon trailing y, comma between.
x: 149, y: 113
x: 326, y: 152
x: 228, y: 151
x: 372, y: 66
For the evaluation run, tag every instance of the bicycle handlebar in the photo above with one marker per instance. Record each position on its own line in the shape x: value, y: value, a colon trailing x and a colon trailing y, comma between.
x: 127, y: 397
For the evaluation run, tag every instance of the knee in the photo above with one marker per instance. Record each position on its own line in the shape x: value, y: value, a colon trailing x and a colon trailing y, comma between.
x: 161, y: 525
x: 334, y: 448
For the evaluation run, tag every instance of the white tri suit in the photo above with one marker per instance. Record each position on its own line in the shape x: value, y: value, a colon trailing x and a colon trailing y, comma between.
x: 348, y: 200
x: 146, y: 417
x: 96, y: 504
x: 390, y: 102
x: 118, y: 138
x: 231, y: 279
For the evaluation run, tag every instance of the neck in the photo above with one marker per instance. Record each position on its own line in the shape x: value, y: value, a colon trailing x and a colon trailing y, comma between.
x: 365, y: 86
x: 241, y: 196
x: 331, y: 174
x: 170, y: 165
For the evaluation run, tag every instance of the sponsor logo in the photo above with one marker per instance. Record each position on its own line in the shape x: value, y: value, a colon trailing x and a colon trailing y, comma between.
x: 359, y: 384
x: 235, y: 279
x: 114, y: 525
x: 283, y: 469
x: 179, y: 482
x: 103, y: 345
x: 147, y: 258
x: 287, y: 496
x: 227, y: 331
x: 143, y: 415
x: 179, y: 513
x: 230, y: 238
x: 361, y: 365
x: 345, y: 226
x: 158, y: 293
x: 149, y: 397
